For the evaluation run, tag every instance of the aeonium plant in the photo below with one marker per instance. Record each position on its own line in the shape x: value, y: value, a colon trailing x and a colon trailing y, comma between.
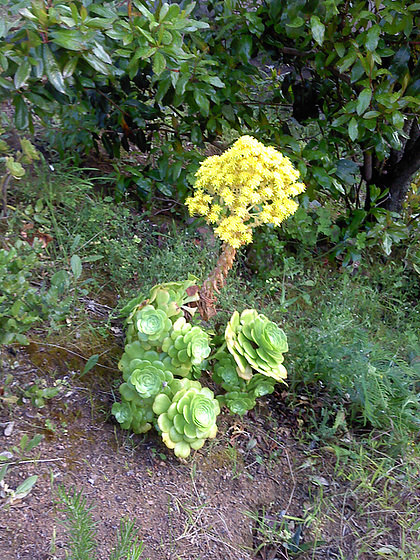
x: 165, y: 354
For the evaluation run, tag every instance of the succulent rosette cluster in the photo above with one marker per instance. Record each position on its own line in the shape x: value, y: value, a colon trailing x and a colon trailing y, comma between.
x: 186, y: 415
x: 150, y: 319
x: 187, y: 346
x: 161, y: 345
x: 256, y: 343
x: 240, y: 395
x: 163, y: 353
x: 136, y: 416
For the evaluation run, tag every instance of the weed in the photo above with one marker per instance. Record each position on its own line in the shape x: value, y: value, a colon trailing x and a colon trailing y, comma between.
x: 8, y: 494
x: 281, y: 533
x: 81, y: 529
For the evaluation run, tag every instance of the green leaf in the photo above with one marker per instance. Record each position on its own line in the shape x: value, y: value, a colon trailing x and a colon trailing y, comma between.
x: 347, y: 61
x: 202, y: 101
x: 22, y: 74
x: 97, y: 64
x: 353, y: 129
x: 76, y: 266
x: 398, y: 120
x: 74, y: 12
x: 363, y: 101
x: 70, y: 67
x: 6, y: 84
x: 3, y: 470
x: 60, y: 280
x: 52, y: 70
x: 400, y: 61
x: 92, y: 361
x: 15, y: 169
x: 39, y: 102
x: 387, y: 244
x: 36, y: 440
x: 414, y: 89
x: 340, y: 49
x: 23, y: 441
x: 68, y: 39
x: 371, y: 114
x: 26, y: 486
x: 159, y: 63
x: 348, y: 171
x: 243, y: 46
x: 101, y: 53
x: 318, y: 29
x: 296, y: 22
x: 214, y: 81
x: 372, y: 38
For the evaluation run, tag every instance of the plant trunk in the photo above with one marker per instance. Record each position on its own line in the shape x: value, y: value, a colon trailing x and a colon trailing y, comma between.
x: 399, y: 169
x: 216, y: 280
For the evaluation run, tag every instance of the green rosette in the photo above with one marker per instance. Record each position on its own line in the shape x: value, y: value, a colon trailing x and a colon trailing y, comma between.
x: 260, y: 385
x: 225, y: 373
x: 149, y: 378
x: 178, y: 293
x: 134, y: 354
x: 187, y: 416
x: 152, y: 325
x: 187, y: 346
x: 135, y: 416
x: 237, y: 402
x: 256, y: 343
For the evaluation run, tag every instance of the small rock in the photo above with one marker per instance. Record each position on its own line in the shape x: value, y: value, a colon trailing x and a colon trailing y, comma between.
x: 6, y: 455
x: 9, y: 429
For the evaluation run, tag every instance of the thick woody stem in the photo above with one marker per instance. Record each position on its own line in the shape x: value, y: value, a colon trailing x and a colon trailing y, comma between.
x: 216, y: 281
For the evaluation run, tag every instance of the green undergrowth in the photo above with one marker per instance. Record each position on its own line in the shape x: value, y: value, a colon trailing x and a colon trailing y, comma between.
x: 121, y: 247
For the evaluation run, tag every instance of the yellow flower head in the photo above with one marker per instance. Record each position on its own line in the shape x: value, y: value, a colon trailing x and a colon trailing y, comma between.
x: 248, y: 185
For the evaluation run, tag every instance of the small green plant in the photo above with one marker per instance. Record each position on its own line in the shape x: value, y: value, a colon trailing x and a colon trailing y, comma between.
x: 10, y: 495
x: 39, y: 392
x: 13, y: 168
x: 280, y: 533
x: 354, y: 353
x: 21, y: 304
x: 80, y: 527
